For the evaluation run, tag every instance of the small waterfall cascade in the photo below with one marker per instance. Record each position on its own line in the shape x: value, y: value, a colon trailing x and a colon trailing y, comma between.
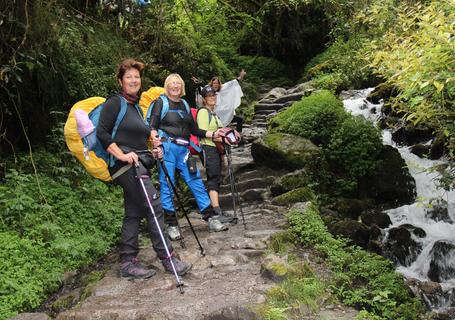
x: 431, y: 218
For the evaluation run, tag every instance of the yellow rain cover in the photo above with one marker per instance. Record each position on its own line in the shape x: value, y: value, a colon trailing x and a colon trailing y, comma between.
x: 147, y: 97
x: 94, y: 165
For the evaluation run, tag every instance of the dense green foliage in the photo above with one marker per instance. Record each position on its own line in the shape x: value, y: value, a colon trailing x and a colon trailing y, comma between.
x: 360, y: 279
x: 52, y: 222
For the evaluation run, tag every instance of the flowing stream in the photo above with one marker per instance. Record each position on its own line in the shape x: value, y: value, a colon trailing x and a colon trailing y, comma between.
x: 418, y: 215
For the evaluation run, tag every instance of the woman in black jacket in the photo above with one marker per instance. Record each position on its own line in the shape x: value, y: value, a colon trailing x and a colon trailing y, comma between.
x: 131, y: 135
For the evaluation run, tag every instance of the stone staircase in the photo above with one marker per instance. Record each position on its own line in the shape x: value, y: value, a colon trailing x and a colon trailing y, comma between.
x: 224, y: 284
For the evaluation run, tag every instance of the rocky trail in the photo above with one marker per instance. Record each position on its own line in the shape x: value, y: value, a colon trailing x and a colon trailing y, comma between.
x: 228, y: 282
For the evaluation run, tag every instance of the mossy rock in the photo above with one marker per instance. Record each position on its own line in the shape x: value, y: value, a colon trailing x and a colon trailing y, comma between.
x: 302, y: 194
x: 286, y: 151
x: 290, y: 181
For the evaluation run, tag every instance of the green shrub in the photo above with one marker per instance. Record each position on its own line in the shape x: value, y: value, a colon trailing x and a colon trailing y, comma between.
x: 354, y: 147
x: 315, y: 117
x: 359, y: 278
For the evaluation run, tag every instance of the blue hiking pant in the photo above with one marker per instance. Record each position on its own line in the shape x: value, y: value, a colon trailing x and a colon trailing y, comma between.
x: 174, y: 157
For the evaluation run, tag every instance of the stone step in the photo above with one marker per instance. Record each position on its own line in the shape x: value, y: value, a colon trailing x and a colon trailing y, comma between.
x: 264, y: 112
x: 290, y: 97
x: 243, y: 185
x: 268, y: 106
x: 248, y: 196
x: 260, y: 124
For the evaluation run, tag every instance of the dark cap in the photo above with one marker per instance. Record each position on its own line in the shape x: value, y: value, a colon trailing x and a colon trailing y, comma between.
x: 207, y: 90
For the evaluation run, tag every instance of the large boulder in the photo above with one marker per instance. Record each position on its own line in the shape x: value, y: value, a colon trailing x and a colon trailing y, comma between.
x: 288, y: 182
x: 354, y: 230
x: 442, y: 264
x: 372, y: 217
x: 391, y: 184
x: 301, y: 194
x: 286, y: 151
x: 400, y: 247
x: 408, y: 134
x: 439, y: 212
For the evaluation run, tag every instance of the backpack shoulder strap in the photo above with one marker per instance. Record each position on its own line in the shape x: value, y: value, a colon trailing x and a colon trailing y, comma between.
x: 187, y: 107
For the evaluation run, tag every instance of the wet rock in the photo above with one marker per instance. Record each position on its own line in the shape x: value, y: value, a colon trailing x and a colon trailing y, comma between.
x: 442, y: 264
x: 354, y: 230
x: 31, y: 316
x: 409, y: 134
x: 375, y: 246
x: 375, y: 232
x: 420, y: 150
x: 285, y: 151
x: 439, y: 212
x: 391, y: 184
x: 382, y: 91
x: 290, y: 181
x: 417, y: 231
x: 381, y: 219
x: 437, y: 148
x: 400, y: 247
x: 352, y: 208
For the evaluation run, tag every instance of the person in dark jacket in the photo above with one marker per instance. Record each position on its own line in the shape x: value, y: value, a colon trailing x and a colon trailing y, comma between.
x: 132, y: 134
x: 175, y: 127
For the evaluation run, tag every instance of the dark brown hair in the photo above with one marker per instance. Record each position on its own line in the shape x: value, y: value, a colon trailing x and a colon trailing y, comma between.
x: 215, y: 79
x: 128, y: 64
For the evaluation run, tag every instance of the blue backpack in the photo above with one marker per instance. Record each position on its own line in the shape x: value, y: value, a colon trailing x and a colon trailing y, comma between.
x: 164, y: 112
x: 92, y: 143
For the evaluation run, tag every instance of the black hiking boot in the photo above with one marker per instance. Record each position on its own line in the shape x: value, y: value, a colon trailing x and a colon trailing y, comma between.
x: 133, y: 270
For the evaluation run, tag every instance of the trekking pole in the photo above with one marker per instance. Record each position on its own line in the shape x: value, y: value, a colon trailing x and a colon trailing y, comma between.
x: 233, y: 185
x: 182, y: 207
x: 179, y: 282
x: 182, y: 238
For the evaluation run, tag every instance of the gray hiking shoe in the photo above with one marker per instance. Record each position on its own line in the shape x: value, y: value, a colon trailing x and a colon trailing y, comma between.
x: 133, y: 270
x: 180, y: 267
x: 215, y: 224
x: 174, y: 233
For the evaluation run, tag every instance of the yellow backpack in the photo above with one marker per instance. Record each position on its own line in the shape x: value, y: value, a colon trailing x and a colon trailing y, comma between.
x: 95, y: 165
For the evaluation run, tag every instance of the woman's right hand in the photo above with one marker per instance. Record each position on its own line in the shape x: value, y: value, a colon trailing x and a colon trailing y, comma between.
x: 130, y: 157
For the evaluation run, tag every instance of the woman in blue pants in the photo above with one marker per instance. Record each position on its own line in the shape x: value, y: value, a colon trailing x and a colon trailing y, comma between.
x: 171, y: 123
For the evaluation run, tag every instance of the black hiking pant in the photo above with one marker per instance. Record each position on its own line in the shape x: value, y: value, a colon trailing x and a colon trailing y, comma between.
x: 136, y: 208
x: 212, y: 168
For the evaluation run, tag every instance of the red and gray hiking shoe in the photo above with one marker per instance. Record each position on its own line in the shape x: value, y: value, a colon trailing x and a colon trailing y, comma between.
x: 180, y: 267
x: 133, y: 270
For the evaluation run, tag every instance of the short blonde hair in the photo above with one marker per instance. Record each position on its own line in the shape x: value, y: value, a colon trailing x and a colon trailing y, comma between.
x: 171, y: 78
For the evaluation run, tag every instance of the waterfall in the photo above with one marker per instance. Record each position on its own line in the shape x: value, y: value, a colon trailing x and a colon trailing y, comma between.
x: 439, y: 239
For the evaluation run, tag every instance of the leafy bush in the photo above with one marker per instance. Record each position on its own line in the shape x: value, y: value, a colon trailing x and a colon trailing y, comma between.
x: 57, y: 220
x: 315, y: 117
x: 360, y: 279
x: 341, y: 66
x: 354, y: 147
